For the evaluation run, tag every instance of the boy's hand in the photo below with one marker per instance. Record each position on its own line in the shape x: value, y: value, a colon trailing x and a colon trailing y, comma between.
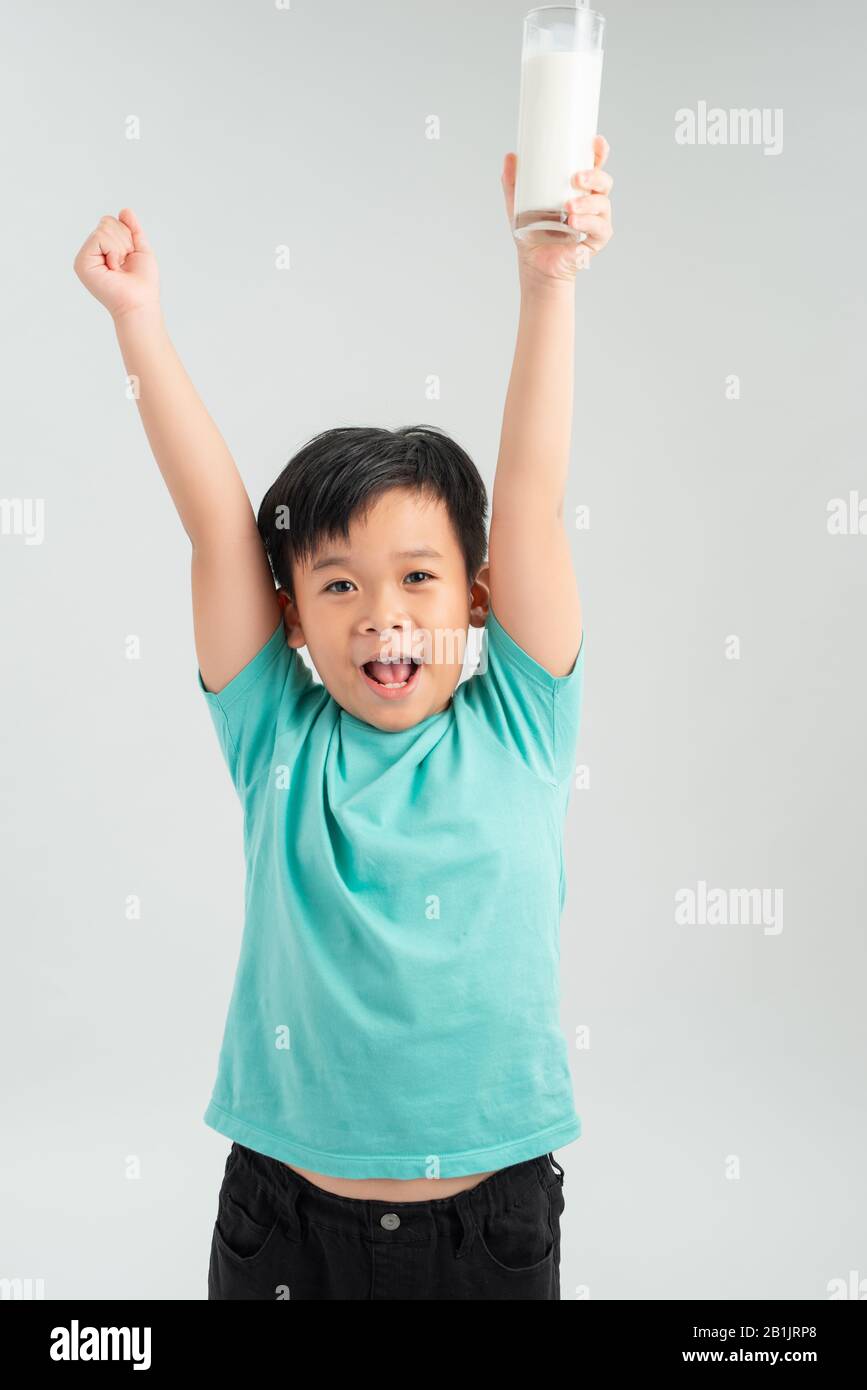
x: 118, y: 266
x: 549, y: 256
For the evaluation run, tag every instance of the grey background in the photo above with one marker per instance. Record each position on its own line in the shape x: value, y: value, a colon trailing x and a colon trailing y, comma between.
x: 708, y: 517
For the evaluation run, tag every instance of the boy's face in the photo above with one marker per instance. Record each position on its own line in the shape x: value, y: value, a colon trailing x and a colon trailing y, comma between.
x: 371, y: 597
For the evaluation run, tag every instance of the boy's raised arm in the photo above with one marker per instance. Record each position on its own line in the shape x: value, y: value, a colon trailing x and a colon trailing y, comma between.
x: 533, y: 589
x: 235, y: 606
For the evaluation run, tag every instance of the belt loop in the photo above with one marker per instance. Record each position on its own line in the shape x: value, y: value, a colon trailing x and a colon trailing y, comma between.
x: 557, y: 1168
x: 465, y: 1211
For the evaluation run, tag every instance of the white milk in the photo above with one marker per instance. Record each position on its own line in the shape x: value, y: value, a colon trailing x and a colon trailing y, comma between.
x: 556, y: 124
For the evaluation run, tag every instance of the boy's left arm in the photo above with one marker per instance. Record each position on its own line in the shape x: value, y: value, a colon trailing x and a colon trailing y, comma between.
x: 533, y: 591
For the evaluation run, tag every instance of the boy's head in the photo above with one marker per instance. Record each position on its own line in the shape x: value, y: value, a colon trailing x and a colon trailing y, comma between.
x: 377, y: 540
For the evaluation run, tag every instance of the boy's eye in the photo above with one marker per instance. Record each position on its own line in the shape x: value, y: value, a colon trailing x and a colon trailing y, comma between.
x: 329, y: 588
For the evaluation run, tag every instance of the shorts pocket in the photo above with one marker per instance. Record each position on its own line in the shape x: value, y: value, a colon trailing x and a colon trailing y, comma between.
x: 520, y: 1239
x: 245, y: 1225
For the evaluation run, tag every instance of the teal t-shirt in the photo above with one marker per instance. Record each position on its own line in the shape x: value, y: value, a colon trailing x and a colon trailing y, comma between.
x: 395, y: 1011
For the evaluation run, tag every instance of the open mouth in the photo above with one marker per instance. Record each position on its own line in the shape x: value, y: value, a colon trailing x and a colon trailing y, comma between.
x: 391, y: 678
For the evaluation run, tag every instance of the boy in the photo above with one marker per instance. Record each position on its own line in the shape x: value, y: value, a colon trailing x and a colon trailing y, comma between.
x: 392, y: 1074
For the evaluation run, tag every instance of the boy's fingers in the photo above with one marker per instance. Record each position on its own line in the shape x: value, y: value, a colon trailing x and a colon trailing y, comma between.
x: 108, y: 240
x: 129, y: 220
x: 601, y: 148
x: 110, y: 244
x: 105, y: 245
x: 111, y: 253
x: 508, y: 182
x: 594, y: 180
x: 116, y: 233
x: 595, y: 227
x: 112, y: 224
x: 591, y: 202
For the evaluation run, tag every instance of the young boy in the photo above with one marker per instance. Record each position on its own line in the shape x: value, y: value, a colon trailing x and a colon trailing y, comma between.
x: 393, y: 1073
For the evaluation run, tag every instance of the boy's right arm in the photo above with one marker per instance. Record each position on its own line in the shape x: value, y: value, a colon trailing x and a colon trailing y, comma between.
x: 235, y: 605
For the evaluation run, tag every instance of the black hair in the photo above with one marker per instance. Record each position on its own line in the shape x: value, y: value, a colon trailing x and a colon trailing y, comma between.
x: 340, y: 473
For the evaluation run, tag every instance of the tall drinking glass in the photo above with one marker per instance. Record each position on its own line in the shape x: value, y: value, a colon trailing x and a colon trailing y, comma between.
x: 561, y: 77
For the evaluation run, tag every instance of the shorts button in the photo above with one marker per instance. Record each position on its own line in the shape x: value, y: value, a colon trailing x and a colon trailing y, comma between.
x: 390, y: 1221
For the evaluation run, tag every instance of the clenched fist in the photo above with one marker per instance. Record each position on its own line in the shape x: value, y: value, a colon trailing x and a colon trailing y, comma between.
x: 118, y: 266
x: 549, y: 256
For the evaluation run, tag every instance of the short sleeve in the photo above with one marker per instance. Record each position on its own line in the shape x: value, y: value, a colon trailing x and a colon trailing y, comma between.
x: 258, y: 703
x: 533, y: 714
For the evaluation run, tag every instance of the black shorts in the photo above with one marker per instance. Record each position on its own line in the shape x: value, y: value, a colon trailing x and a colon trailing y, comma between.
x: 278, y: 1236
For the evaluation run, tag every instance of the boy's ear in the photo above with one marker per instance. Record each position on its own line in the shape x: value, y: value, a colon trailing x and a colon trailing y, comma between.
x: 480, y: 597
x: 291, y: 620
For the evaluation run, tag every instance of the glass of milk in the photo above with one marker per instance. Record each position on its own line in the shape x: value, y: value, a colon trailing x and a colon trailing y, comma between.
x: 561, y: 77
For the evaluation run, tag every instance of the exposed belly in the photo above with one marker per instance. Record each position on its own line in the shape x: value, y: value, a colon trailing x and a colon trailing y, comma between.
x: 392, y: 1189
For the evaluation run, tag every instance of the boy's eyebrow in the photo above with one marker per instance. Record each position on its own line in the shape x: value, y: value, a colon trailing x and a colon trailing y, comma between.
x: 425, y: 551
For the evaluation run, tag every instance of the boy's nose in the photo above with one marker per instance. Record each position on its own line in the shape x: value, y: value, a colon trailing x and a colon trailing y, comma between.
x: 388, y: 624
